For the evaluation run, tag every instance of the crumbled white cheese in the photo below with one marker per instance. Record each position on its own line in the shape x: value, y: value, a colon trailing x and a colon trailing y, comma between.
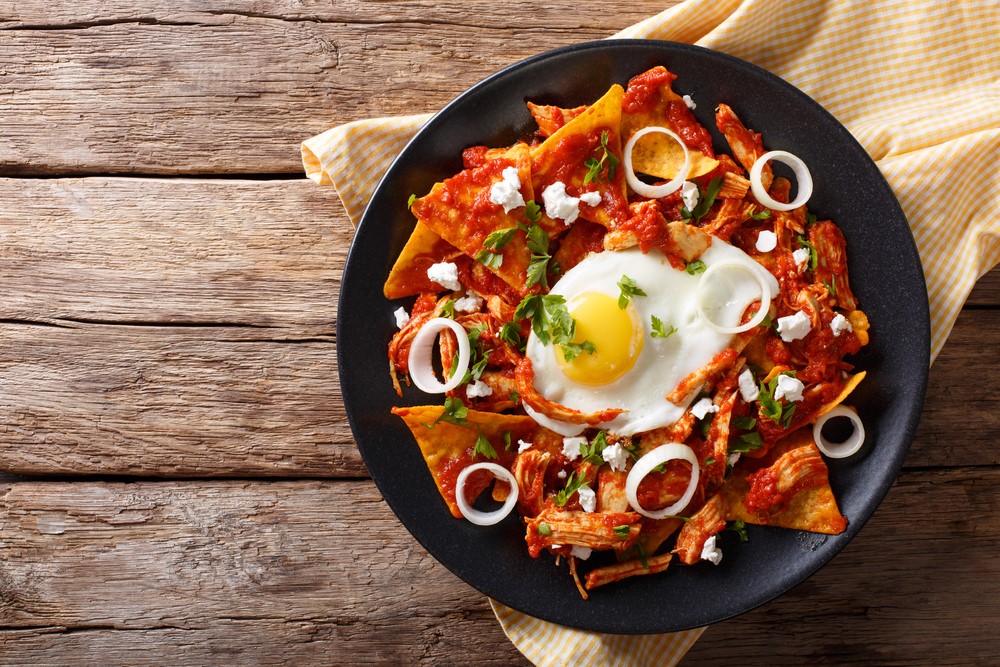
x: 588, y: 499
x: 571, y: 447
x: 794, y: 326
x: 469, y: 303
x: 767, y: 241
x: 801, y: 256
x: 839, y: 324
x: 690, y: 195
x: 615, y: 456
x: 748, y: 386
x: 733, y: 458
x: 478, y: 389
x: 558, y: 204
x: 710, y: 552
x: 689, y: 102
x: 507, y: 193
x: 402, y: 317
x: 445, y: 274
x: 583, y: 553
x: 788, y: 388
x: 561, y: 474
x: 523, y: 446
x: 703, y: 407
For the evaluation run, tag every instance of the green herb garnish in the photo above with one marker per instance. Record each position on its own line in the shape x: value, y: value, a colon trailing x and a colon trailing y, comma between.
x: 622, y: 531
x: 484, y: 448
x: 543, y: 529
x: 573, y: 484
x: 660, y: 330
x: 628, y: 290
x: 595, y: 165
x: 695, y: 267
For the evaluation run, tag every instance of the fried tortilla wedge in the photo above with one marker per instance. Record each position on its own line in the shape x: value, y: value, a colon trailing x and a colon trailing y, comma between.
x: 448, y: 448
x: 460, y: 211
x: 790, y: 490
x: 651, y: 101
x: 592, y: 137
x: 409, y: 274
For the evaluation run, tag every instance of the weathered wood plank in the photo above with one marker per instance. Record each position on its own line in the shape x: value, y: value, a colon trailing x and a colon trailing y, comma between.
x: 98, y: 87
x: 261, y: 571
x: 178, y: 401
x: 260, y: 253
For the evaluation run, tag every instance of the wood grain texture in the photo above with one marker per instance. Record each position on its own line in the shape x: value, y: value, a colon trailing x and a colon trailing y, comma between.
x: 227, y: 573
x: 267, y: 254
x: 287, y: 572
x: 170, y: 88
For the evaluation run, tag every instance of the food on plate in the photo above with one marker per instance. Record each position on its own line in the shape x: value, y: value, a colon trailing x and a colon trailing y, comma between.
x: 636, y: 341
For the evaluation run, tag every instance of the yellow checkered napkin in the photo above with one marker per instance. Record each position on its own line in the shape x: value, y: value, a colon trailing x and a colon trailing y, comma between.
x: 915, y: 81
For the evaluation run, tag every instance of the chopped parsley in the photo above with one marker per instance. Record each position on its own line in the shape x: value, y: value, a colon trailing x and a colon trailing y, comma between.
x: 591, y: 452
x: 484, y: 448
x: 506, y: 440
x: 746, y: 442
x: 622, y: 531
x: 771, y: 408
x: 695, y: 267
x: 628, y: 290
x: 595, y: 165
x: 510, y: 333
x: 448, y: 310
x: 552, y: 323
x: 744, y: 423
x: 813, y: 260
x: 705, y: 201
x: 409, y: 202
x: 762, y: 214
x: 538, y: 244
x: 661, y: 330
x: 740, y: 528
x: 454, y: 412
x: 543, y: 529
x: 573, y: 484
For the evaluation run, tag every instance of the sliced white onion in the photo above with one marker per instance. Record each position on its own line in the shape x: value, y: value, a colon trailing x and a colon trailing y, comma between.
x: 645, y: 465
x: 765, y: 297
x: 840, y: 450
x: 474, y: 515
x: 654, y: 191
x: 562, y: 428
x: 421, y: 352
x: 803, y: 179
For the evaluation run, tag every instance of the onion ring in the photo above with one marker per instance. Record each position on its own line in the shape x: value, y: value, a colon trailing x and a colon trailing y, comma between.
x: 420, y: 364
x: 803, y: 179
x: 849, y: 447
x: 474, y: 515
x: 654, y: 191
x: 562, y: 428
x: 645, y: 465
x: 765, y: 298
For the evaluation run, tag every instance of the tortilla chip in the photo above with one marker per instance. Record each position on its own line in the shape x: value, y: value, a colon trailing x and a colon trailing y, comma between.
x: 459, y: 210
x: 657, y: 154
x: 448, y: 448
x: 813, y: 508
x: 849, y: 386
x: 409, y: 274
x: 564, y: 156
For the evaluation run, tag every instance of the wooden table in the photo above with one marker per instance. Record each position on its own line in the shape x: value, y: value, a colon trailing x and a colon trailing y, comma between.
x: 180, y: 483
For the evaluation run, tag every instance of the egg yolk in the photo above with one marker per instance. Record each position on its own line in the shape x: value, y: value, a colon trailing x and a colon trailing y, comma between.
x: 616, y: 334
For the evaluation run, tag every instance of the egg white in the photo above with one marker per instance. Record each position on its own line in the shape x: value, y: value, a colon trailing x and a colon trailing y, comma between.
x: 662, y: 362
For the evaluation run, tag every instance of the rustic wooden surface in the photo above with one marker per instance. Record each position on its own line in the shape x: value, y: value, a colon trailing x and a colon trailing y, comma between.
x: 178, y: 483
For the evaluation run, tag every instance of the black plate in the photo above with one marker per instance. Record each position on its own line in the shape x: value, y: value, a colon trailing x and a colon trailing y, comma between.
x: 885, y: 273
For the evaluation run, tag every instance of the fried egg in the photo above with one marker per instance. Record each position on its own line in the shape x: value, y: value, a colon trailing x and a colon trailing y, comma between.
x: 631, y: 368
